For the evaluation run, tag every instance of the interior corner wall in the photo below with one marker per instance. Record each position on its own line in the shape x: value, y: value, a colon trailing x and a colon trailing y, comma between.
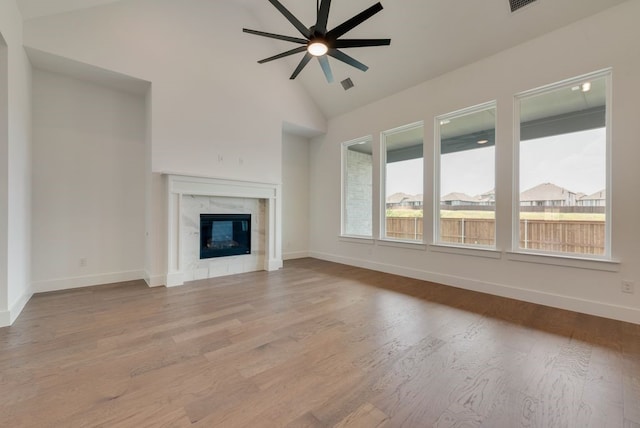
x: 4, y: 178
x: 608, y: 39
x: 20, y: 188
x: 295, y: 196
x: 88, y: 183
x: 15, y: 185
x: 155, y: 203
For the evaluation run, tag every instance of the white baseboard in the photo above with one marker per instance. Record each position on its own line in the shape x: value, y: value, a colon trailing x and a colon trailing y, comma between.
x: 9, y: 317
x: 86, y: 281
x: 174, y: 279
x: 616, y: 312
x: 5, y: 319
x: 295, y: 255
x: 16, y: 309
x: 274, y: 264
x: 154, y: 281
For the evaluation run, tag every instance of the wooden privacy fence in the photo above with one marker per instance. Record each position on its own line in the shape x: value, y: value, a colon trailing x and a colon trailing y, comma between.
x: 404, y: 228
x: 582, y: 237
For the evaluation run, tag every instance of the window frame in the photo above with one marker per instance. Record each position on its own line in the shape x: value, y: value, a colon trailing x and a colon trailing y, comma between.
x: 521, y: 254
x: 437, y: 242
x: 383, y: 182
x: 343, y: 175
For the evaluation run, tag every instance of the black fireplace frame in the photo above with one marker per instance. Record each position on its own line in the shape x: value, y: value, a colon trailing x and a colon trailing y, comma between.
x: 240, y: 236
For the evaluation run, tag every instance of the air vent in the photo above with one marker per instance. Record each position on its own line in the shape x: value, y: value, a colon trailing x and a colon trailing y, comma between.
x: 519, y: 4
x: 347, y: 84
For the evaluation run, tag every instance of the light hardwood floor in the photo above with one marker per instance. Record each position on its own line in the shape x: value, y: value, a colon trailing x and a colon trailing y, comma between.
x: 316, y: 344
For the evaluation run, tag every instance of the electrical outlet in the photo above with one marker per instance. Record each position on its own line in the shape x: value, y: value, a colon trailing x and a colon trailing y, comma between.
x: 628, y: 287
x: 83, y: 262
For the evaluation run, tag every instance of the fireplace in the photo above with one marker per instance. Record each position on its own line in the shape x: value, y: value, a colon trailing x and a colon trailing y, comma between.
x: 223, y: 235
x: 189, y: 197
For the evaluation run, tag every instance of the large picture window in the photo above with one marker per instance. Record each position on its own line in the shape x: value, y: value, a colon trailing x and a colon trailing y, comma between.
x: 357, y: 188
x: 563, y: 176
x: 466, y: 164
x: 403, y: 181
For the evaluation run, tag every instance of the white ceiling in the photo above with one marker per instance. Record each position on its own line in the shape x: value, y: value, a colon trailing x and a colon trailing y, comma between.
x: 36, y: 8
x: 429, y: 38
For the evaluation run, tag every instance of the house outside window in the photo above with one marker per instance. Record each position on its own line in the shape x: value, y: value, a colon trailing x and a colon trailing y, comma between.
x: 403, y: 165
x: 465, y: 177
x: 563, y: 145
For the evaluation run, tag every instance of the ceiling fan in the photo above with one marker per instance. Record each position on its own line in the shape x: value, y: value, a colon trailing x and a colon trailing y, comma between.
x: 319, y: 41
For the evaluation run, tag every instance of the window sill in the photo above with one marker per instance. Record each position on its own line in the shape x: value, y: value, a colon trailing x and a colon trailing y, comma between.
x: 411, y: 245
x: 485, y: 252
x: 565, y: 260
x: 357, y: 239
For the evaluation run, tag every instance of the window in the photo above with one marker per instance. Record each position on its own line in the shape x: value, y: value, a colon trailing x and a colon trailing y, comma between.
x: 563, y: 176
x: 403, y: 180
x: 357, y: 185
x: 466, y: 180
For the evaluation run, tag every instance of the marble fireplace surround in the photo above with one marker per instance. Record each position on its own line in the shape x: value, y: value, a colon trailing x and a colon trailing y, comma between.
x: 181, y: 191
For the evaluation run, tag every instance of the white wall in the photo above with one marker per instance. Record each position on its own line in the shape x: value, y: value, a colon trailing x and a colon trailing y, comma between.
x: 214, y: 111
x: 210, y: 97
x: 15, y: 186
x: 88, y: 183
x: 295, y: 196
x: 605, y: 40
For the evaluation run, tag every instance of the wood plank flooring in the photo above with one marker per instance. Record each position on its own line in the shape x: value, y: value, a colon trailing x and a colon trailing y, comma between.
x: 315, y: 344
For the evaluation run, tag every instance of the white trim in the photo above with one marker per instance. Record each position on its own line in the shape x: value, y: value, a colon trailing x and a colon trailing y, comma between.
x: 16, y: 309
x: 411, y: 245
x: 467, y: 250
x: 179, y: 185
x: 564, y: 83
x: 86, y: 281
x: 5, y: 319
x: 274, y: 265
x: 352, y: 239
x: 292, y: 255
x: 565, y: 259
x: 608, y: 224
x: 8, y: 317
x: 515, y: 177
x: 616, y: 312
x: 154, y: 281
x: 174, y: 279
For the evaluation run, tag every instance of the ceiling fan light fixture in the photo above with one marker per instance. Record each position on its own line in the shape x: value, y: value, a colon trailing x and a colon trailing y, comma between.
x: 317, y: 48
x: 320, y: 42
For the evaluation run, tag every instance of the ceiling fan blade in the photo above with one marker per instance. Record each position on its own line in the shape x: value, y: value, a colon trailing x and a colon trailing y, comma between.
x: 292, y: 19
x: 326, y: 68
x: 303, y: 62
x: 323, y: 16
x: 276, y: 36
x: 354, y: 22
x: 283, y: 54
x: 360, y: 43
x: 341, y: 56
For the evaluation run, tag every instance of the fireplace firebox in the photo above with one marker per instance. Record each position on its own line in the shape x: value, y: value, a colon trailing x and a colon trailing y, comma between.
x: 223, y: 235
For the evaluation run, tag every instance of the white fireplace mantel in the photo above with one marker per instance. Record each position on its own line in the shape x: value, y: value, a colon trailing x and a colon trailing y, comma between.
x: 179, y: 185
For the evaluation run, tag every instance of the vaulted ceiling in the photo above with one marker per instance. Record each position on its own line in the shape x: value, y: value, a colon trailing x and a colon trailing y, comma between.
x: 429, y: 38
